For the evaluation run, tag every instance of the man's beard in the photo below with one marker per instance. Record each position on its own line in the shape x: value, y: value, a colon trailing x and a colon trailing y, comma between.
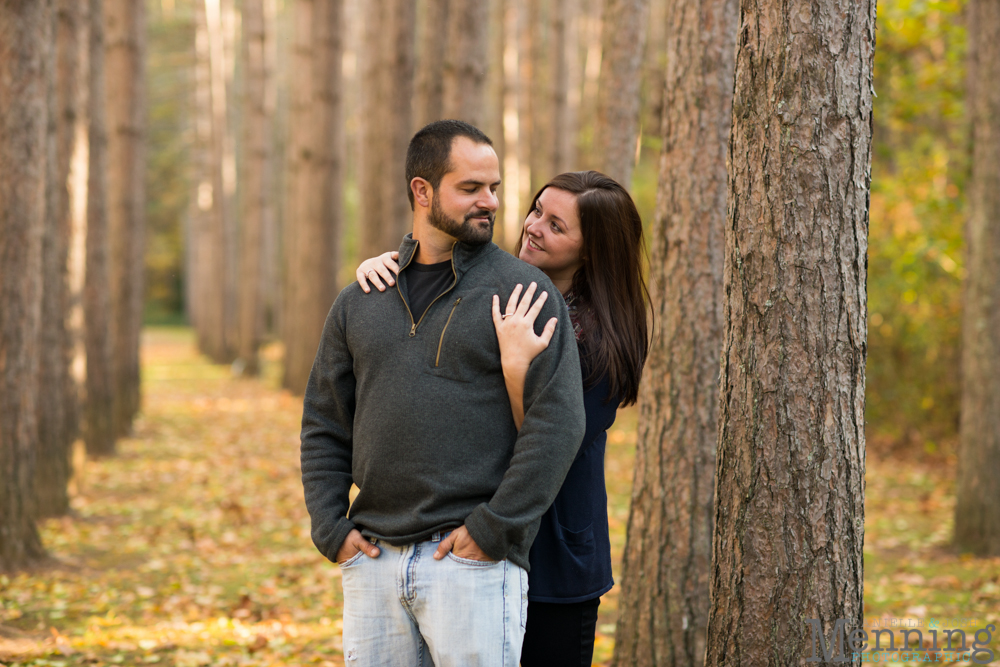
x: 466, y: 231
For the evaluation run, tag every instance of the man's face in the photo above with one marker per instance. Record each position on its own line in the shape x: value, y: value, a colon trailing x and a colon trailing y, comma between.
x: 464, y: 205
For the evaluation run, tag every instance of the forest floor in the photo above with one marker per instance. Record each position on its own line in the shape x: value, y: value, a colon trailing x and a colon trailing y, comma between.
x: 192, y: 548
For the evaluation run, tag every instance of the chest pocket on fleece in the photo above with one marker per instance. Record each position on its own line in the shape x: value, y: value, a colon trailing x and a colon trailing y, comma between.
x: 465, y: 347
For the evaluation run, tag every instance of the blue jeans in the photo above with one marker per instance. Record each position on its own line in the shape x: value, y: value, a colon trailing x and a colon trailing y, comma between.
x: 405, y: 608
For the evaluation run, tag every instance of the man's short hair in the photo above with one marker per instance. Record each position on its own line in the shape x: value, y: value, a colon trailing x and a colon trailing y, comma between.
x: 429, y: 153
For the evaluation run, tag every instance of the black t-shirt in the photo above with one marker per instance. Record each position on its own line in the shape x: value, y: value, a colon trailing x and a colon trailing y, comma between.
x: 424, y: 283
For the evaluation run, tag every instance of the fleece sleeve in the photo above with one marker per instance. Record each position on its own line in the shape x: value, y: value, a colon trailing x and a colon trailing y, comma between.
x: 554, y: 424
x: 327, y: 437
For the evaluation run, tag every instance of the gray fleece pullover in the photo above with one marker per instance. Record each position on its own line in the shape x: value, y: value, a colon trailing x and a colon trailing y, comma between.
x: 417, y: 414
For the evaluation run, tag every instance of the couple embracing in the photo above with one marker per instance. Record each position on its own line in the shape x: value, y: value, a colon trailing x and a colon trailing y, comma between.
x: 468, y: 398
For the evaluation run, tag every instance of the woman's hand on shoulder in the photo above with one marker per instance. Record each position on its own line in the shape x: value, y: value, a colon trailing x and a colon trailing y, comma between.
x: 516, y: 328
x: 377, y: 269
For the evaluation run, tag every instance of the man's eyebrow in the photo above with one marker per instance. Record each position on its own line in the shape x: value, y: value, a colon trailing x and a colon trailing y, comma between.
x: 474, y: 182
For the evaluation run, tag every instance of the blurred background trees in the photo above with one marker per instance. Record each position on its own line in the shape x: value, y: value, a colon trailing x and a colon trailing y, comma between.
x: 226, y: 163
x: 919, y: 172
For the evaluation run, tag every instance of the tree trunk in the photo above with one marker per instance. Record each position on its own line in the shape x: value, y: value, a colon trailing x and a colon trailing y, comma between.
x: 558, y: 66
x: 25, y: 43
x: 466, y: 59
x: 529, y: 17
x: 428, y: 101
x: 386, y: 122
x: 125, y: 28
x: 212, y: 193
x: 99, y: 332
x: 493, y: 113
x: 663, y: 608
x: 199, y: 239
x: 512, y: 101
x: 977, y: 512
x: 57, y: 414
x: 623, y: 43
x: 315, y: 195
x: 789, y: 518
x: 255, y: 186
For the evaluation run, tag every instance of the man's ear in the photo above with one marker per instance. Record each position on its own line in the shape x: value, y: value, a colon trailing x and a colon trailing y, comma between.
x: 423, y: 193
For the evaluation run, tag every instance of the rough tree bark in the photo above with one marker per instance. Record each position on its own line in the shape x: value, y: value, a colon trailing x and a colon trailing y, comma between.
x: 98, y: 331
x: 386, y: 123
x: 57, y: 414
x: 977, y: 511
x: 125, y: 30
x: 466, y: 60
x: 623, y: 44
x: 315, y: 194
x: 255, y: 182
x: 789, y: 517
x: 432, y: 26
x: 25, y: 42
x: 663, y: 608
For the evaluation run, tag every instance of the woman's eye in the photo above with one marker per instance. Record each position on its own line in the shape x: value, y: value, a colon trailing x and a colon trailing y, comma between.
x: 554, y: 226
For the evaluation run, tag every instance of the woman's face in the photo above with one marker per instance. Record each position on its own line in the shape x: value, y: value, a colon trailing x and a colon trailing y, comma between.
x: 552, y: 239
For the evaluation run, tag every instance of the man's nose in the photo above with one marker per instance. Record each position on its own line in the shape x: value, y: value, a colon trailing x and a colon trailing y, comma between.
x: 491, y: 202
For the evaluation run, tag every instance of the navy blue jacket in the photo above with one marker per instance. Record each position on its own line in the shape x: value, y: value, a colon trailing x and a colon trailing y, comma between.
x: 571, y: 556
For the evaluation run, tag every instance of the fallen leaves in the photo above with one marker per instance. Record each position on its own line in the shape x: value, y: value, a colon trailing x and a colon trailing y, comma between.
x: 192, y: 547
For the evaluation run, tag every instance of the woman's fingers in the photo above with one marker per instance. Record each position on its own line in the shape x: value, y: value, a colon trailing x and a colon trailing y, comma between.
x: 373, y: 276
x: 386, y: 275
x: 550, y: 328
x: 522, y: 307
x: 497, y: 318
x: 536, y: 307
x: 362, y: 279
x: 389, y: 267
x: 512, y: 301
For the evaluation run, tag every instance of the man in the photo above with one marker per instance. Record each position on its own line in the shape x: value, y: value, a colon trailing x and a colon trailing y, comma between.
x: 407, y: 400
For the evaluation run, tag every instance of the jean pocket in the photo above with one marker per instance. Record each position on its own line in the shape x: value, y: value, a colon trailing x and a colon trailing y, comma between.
x: 473, y: 563
x: 524, y: 597
x: 353, y: 560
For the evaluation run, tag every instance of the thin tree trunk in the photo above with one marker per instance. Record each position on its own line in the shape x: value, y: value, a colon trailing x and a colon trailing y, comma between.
x: 125, y: 28
x: 315, y: 196
x: 512, y: 166
x: 558, y: 66
x: 212, y: 196
x: 255, y: 186
x: 663, y: 609
x: 789, y: 517
x: 466, y: 60
x: 25, y: 43
x: 623, y: 43
x: 428, y: 101
x: 57, y: 414
x: 977, y: 512
x: 99, y: 332
x: 494, y: 107
x: 386, y: 122
x: 528, y: 37
x: 199, y: 239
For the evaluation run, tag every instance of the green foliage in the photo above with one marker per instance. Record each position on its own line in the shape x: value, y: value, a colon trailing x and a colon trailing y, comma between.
x: 169, y: 69
x: 915, y: 266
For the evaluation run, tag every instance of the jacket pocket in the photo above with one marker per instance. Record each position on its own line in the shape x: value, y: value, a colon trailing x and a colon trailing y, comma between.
x: 437, y: 359
x: 579, y: 541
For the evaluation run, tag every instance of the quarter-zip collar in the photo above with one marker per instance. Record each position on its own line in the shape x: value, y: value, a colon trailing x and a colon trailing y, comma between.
x: 463, y: 255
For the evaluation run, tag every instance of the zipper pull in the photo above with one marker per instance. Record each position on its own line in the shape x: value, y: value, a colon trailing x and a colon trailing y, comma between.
x: 413, y: 330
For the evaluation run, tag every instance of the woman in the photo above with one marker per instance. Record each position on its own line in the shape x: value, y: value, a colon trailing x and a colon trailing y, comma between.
x: 584, y: 232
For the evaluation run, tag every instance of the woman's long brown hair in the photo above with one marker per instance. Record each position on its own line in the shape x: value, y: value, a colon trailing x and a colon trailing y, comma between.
x: 610, y: 283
